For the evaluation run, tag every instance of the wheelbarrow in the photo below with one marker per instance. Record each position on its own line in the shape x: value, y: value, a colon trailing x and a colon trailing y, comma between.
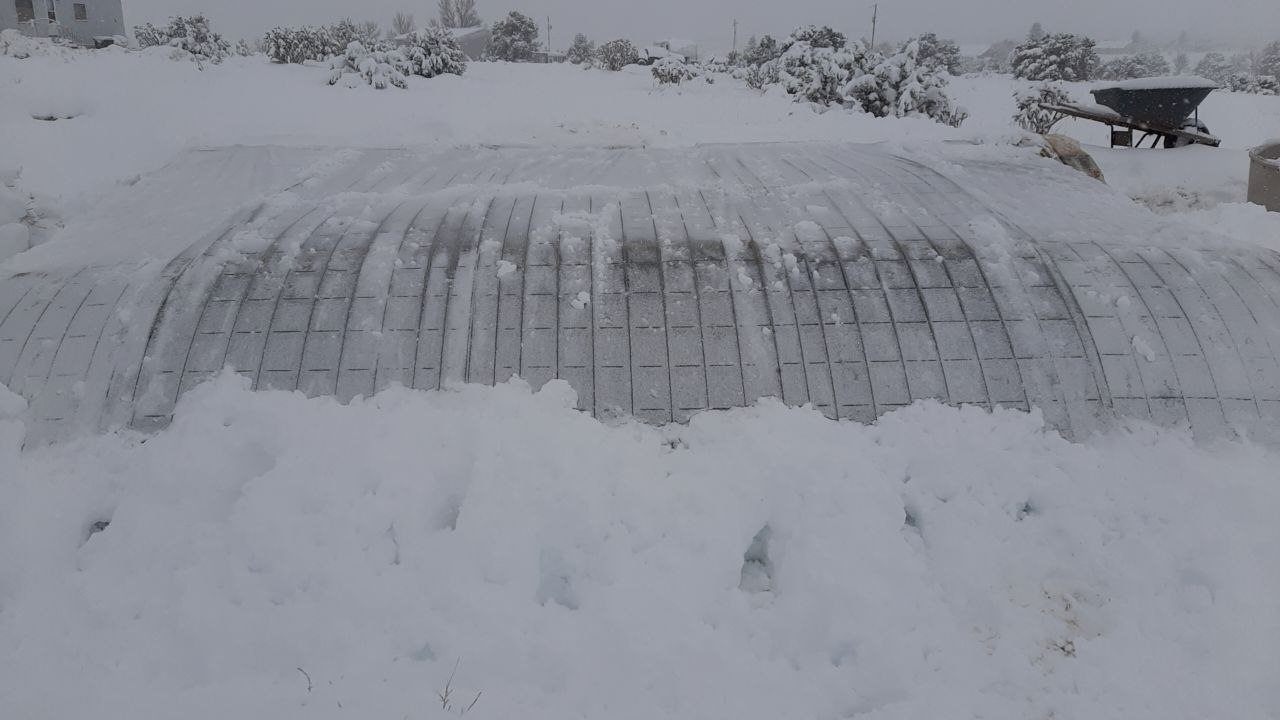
x: 1163, y: 109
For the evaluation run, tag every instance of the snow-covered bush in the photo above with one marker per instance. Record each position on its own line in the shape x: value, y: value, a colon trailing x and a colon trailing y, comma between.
x: 581, y: 51
x: 939, y: 54
x: 378, y: 68
x: 1061, y: 56
x: 191, y: 37
x: 758, y: 77
x: 1144, y: 64
x: 432, y: 51
x: 821, y: 74
x: 14, y: 44
x: 617, y: 54
x: 514, y: 38
x: 1030, y: 116
x: 1253, y: 84
x: 672, y: 71
x: 243, y: 49
x: 1216, y: 67
x: 901, y: 86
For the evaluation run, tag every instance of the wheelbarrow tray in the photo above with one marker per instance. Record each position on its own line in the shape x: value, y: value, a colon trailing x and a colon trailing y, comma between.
x: 1165, y: 101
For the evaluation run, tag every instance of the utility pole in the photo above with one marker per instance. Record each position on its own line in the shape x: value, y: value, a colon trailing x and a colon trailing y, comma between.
x: 875, y: 12
x: 735, y: 37
x: 548, y: 38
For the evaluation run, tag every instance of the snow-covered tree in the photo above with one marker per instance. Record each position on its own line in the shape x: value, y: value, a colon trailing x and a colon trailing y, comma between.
x: 1180, y: 63
x: 1061, y: 56
x: 617, y: 54
x: 901, y: 86
x: 938, y: 54
x: 820, y: 73
x: 816, y: 37
x: 344, y: 32
x: 514, y: 38
x: 432, y: 51
x: 243, y: 49
x: 448, y: 14
x: 1125, y: 67
x: 467, y: 14
x: 1030, y: 115
x: 1216, y: 67
x: 762, y: 52
x: 581, y: 51
x: 190, y: 37
x: 1036, y: 33
x: 403, y: 24
x: 1268, y: 61
x: 378, y: 68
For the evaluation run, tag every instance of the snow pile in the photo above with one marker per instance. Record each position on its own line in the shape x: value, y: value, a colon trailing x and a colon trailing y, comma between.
x: 272, y: 556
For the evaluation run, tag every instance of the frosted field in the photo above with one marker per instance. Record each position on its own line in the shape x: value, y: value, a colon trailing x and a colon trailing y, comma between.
x: 274, y: 556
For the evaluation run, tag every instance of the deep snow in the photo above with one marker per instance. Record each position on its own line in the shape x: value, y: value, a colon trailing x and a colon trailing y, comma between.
x: 572, y: 569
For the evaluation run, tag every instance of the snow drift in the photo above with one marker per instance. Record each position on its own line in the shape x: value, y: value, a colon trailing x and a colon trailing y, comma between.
x: 274, y: 556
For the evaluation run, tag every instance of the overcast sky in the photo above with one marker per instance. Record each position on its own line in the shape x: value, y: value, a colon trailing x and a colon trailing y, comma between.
x: 710, y: 21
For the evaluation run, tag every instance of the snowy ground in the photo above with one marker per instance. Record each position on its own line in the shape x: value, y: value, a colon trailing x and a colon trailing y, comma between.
x: 272, y: 556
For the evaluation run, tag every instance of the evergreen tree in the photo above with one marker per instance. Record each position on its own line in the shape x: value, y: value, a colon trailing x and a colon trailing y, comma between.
x: 1036, y: 33
x: 581, y: 51
x: 1216, y: 67
x: 1062, y: 56
x: 514, y: 38
x: 938, y: 54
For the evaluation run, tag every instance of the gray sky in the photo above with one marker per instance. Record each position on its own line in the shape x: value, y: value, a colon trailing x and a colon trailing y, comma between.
x: 709, y: 21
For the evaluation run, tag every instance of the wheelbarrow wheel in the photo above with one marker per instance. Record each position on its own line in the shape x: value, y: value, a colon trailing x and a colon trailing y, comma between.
x: 1172, y: 141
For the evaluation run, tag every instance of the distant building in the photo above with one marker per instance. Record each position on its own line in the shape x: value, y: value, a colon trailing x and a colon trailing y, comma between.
x: 87, y: 22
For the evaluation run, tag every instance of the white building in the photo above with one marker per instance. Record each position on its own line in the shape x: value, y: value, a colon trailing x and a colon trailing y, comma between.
x: 87, y: 22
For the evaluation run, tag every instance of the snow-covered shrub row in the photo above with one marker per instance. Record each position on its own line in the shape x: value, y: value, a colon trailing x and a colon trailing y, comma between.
x: 820, y: 66
x: 1030, y: 116
x: 300, y: 44
x: 617, y: 54
x: 1144, y: 64
x: 514, y: 38
x: 1061, y: 56
x: 191, y: 37
x: 1253, y: 84
x: 673, y: 71
x: 427, y: 53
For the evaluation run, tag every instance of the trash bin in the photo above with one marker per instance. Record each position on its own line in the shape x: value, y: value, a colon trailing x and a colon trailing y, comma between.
x: 1264, y: 175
